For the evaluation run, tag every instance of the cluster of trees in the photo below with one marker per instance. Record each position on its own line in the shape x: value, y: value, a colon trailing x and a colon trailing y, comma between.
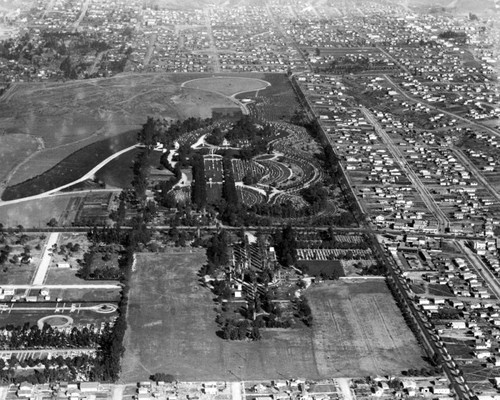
x: 162, y: 377
x: 218, y: 249
x: 285, y: 244
x: 253, y: 138
x: 141, y: 174
x: 407, y: 314
x: 458, y: 36
x: 48, y: 370
x: 32, y: 337
x: 199, y: 186
x: 304, y: 311
x: 316, y: 195
x: 239, y: 330
x: 107, y: 363
x: 90, y: 271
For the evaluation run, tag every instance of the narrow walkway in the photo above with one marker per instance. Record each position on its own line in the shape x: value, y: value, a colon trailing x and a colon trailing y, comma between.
x: 46, y: 258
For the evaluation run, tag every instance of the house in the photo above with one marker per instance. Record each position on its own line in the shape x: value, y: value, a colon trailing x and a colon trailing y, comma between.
x: 8, y: 292
x: 210, y: 388
x: 25, y: 390
x: 63, y: 265
x: 86, y: 387
x: 458, y: 325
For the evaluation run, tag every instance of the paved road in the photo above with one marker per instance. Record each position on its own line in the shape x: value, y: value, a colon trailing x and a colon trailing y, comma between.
x: 46, y: 258
x: 475, y: 172
x: 236, y: 390
x: 429, y: 342
x: 94, y: 68
x: 419, y: 186
x: 456, y: 116
x: 482, y: 269
x: 83, y: 286
x: 345, y: 389
x: 149, y: 52
x: 82, y: 15
x: 213, y: 48
x: 288, y: 39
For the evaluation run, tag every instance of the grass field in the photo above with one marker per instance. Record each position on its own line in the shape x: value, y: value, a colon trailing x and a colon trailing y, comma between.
x: 14, y: 148
x: 358, y: 324
x: 172, y: 330
x: 226, y: 85
x: 34, y: 213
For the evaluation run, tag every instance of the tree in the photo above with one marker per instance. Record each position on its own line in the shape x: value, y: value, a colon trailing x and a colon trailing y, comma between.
x: 161, y: 376
x: 52, y: 223
x: 286, y: 246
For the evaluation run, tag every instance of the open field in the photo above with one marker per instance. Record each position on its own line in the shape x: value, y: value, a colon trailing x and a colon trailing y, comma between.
x: 172, y: 330
x: 14, y: 148
x: 68, y: 116
x: 359, y: 330
x: 226, y: 85
x: 34, y: 213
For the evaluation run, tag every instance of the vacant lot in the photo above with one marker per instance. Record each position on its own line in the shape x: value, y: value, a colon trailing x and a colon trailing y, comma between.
x: 226, y: 85
x: 359, y: 330
x: 172, y: 330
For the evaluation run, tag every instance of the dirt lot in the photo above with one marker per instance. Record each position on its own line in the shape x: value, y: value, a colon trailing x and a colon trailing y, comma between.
x: 172, y: 330
x: 359, y: 330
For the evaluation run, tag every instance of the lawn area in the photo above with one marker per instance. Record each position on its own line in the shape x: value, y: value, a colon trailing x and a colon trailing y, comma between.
x: 34, y: 213
x: 17, y: 274
x: 67, y: 276
x: 13, y: 148
x: 226, y: 85
x: 359, y: 330
x: 172, y: 329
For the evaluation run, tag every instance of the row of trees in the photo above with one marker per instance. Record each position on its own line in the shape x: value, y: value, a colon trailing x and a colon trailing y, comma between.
x: 48, y: 370
x: 32, y: 337
x: 285, y: 244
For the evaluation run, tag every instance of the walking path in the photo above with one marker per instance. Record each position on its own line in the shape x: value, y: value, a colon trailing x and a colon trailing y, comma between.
x: 46, y: 258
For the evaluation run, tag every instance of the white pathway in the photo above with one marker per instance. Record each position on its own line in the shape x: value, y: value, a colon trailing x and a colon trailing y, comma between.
x: 47, y: 256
